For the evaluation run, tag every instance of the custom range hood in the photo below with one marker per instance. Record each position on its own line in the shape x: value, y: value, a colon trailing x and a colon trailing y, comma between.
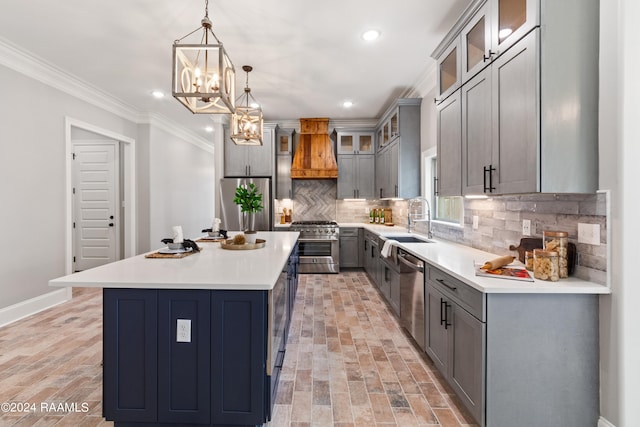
x: 314, y: 158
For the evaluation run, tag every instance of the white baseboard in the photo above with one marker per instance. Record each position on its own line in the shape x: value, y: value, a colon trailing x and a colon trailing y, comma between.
x: 604, y: 423
x: 32, y: 306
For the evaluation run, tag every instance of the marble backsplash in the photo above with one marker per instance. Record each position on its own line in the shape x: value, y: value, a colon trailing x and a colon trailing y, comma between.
x: 499, y: 219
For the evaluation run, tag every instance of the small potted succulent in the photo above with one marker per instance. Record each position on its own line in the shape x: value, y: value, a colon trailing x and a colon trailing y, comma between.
x: 250, y: 202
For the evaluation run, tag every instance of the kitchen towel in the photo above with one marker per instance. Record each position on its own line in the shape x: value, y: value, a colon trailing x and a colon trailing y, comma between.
x: 387, y: 247
x: 178, y: 237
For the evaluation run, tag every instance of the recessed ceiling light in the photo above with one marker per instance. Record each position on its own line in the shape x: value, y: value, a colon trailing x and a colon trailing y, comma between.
x: 157, y: 94
x: 347, y: 104
x: 208, y: 129
x: 371, y: 35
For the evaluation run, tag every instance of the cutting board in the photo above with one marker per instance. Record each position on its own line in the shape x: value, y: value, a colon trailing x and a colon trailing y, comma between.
x: 528, y: 244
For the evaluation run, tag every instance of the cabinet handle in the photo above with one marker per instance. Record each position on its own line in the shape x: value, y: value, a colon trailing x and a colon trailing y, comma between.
x: 386, y: 274
x: 486, y: 58
x: 381, y: 193
x: 435, y: 186
x: 290, y: 195
x: 249, y: 170
x: 365, y: 245
x: 396, y: 190
x: 453, y: 288
x: 436, y: 100
x: 443, y: 313
x: 446, y: 315
x: 488, y: 170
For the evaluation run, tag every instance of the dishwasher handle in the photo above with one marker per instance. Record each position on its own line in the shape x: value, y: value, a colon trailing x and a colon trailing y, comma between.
x: 405, y: 261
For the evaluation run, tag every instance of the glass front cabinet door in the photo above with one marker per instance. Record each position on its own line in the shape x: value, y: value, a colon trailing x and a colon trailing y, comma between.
x: 511, y: 20
x: 355, y: 143
x: 476, y: 43
x: 449, y: 71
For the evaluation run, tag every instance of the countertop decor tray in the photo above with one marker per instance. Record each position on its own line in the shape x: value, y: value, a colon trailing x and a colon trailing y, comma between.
x: 169, y: 256
x: 228, y: 244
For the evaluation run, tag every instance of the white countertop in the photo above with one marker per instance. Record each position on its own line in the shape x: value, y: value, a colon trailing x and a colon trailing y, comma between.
x: 458, y: 261
x: 211, y: 268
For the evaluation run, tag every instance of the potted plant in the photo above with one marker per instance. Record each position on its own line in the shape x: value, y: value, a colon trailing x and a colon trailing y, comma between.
x: 250, y: 202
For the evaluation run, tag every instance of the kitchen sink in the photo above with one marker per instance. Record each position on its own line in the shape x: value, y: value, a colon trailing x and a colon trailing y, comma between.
x: 408, y: 239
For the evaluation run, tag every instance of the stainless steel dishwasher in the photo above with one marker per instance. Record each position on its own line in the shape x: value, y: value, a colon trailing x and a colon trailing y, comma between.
x: 412, y: 309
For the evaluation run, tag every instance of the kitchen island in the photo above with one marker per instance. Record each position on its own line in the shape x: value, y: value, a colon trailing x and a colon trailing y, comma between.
x: 197, y: 340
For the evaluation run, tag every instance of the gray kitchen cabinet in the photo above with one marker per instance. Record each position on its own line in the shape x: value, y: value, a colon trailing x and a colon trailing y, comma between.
x: 496, y: 351
x: 499, y: 127
x: 449, y: 146
x: 398, y: 162
x: 477, y: 144
x: 355, y: 142
x: 371, y: 257
x: 284, y: 141
x: 350, y: 244
x: 448, y: 70
x: 245, y: 160
x: 455, y: 338
x: 541, y: 140
x: 356, y: 177
x: 284, y: 185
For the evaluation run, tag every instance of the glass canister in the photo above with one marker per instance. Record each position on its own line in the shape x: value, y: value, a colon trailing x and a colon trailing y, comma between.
x: 558, y: 241
x: 528, y: 260
x: 545, y: 265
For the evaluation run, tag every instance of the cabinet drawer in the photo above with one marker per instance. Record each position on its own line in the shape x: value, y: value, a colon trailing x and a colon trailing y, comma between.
x: 349, y: 232
x: 467, y: 297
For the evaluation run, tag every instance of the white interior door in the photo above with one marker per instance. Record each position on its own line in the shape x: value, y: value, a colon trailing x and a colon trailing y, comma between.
x: 95, y: 208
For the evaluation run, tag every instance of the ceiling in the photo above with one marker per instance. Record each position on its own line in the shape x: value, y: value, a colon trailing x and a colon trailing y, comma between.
x: 307, y: 57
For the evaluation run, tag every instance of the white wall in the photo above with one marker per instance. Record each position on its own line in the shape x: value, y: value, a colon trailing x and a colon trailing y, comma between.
x: 174, y: 177
x: 32, y: 181
x: 182, y: 184
x: 619, y: 172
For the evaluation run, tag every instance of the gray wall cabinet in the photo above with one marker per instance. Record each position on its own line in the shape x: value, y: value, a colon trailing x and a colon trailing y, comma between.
x: 284, y: 153
x: 537, y: 87
x: 356, y: 176
x: 398, y: 161
x: 449, y: 146
x: 242, y: 160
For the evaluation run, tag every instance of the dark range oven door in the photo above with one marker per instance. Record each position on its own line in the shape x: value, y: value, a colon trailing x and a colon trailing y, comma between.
x: 318, y: 255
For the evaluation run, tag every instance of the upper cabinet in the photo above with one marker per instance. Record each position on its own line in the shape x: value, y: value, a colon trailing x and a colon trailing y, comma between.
x: 355, y: 142
x: 284, y: 141
x: 449, y: 74
x: 356, y: 163
x: 398, y: 161
x: 528, y: 99
x: 250, y: 160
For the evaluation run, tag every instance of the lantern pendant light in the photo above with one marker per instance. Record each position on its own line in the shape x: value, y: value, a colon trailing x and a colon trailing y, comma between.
x: 204, y: 78
x: 246, y: 122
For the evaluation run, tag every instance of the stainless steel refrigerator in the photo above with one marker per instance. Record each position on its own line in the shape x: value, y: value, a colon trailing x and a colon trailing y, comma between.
x: 230, y: 213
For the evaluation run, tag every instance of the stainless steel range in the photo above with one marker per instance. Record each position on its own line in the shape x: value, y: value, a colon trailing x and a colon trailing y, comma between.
x: 319, y: 246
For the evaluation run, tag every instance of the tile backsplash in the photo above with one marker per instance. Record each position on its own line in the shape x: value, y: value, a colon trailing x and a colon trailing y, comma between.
x: 499, y: 219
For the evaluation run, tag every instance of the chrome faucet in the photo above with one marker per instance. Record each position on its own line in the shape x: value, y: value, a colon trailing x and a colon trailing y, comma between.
x: 412, y: 218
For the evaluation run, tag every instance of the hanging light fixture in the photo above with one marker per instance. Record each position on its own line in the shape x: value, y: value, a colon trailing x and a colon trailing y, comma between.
x: 246, y: 122
x: 204, y: 79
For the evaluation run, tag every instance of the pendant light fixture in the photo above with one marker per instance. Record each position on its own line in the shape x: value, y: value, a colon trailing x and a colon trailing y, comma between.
x: 204, y: 78
x: 246, y: 122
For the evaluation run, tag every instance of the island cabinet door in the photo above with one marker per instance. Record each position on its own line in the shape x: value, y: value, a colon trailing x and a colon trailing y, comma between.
x: 130, y: 351
x: 239, y: 354
x: 184, y: 354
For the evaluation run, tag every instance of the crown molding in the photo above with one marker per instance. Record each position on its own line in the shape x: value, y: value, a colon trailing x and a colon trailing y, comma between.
x: 17, y: 59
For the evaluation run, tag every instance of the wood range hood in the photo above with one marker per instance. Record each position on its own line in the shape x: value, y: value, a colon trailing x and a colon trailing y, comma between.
x: 314, y: 158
